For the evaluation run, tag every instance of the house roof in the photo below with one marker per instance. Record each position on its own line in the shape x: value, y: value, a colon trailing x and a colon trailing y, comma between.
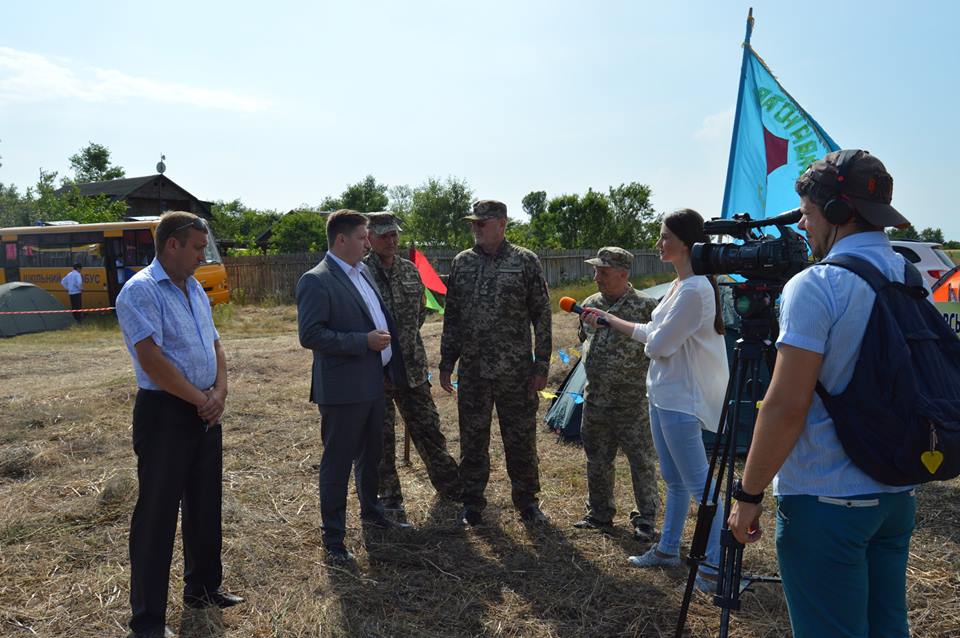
x: 116, y: 187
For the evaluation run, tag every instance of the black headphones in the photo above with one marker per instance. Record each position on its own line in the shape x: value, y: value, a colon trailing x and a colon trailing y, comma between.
x: 839, y: 209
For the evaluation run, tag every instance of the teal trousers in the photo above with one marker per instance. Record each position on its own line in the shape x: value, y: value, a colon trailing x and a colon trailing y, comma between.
x: 844, y: 562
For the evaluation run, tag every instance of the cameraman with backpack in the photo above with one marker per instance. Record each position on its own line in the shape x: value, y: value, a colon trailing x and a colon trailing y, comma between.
x: 842, y: 536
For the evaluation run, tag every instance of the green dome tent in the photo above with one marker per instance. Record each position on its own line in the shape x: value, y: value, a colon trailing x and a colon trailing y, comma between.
x: 23, y: 297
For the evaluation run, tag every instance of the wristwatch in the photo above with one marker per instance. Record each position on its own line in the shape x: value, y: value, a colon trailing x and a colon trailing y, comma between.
x: 739, y: 495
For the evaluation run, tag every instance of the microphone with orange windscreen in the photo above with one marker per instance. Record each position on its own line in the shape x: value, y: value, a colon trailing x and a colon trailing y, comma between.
x: 569, y: 304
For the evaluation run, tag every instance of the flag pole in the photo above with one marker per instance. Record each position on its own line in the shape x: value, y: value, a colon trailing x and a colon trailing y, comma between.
x: 736, y: 119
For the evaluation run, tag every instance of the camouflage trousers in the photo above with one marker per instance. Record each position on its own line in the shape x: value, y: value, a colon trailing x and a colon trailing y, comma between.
x: 604, y: 431
x: 423, y: 422
x: 517, y: 413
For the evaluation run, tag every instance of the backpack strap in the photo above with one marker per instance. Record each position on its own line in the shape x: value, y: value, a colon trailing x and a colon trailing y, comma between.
x: 913, y: 279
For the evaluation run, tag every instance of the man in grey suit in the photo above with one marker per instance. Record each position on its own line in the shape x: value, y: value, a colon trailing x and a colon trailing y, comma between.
x: 342, y: 318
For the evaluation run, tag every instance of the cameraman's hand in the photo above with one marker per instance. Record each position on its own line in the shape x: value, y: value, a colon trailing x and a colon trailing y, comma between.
x: 744, y: 521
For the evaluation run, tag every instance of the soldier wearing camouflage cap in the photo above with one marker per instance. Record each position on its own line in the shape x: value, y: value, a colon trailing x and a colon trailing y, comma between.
x: 615, y: 414
x: 495, y: 292
x: 402, y: 290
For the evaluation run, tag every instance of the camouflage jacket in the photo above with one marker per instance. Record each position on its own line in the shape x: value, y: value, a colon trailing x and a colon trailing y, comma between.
x: 616, y: 365
x: 402, y: 292
x: 491, y: 303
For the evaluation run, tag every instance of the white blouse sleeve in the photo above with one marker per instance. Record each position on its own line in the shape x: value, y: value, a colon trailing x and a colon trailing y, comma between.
x: 640, y: 331
x: 680, y: 323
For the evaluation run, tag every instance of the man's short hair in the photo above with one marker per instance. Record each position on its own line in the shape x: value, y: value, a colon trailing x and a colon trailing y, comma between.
x: 177, y: 224
x: 343, y: 222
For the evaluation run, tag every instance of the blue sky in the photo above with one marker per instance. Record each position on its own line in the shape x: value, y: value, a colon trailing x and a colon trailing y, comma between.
x: 282, y: 103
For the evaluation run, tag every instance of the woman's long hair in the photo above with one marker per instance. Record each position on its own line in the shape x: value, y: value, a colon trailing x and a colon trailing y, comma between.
x: 687, y: 225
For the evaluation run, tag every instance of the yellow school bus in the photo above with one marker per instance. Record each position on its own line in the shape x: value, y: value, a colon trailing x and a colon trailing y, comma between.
x: 108, y: 253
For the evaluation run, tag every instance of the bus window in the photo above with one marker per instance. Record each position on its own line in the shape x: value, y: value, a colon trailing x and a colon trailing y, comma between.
x: 55, y: 255
x: 29, y: 251
x: 87, y: 255
x: 11, y: 253
x: 138, y: 247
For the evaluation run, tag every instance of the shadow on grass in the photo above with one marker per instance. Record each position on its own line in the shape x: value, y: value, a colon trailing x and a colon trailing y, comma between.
x: 202, y: 623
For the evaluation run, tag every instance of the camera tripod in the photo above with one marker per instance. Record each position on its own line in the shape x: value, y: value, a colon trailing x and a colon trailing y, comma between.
x: 754, y: 303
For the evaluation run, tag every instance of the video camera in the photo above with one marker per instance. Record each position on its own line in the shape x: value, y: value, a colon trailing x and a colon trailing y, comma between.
x: 759, y: 257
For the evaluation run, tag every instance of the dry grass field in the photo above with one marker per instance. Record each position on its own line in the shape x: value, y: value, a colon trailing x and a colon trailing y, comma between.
x: 67, y: 488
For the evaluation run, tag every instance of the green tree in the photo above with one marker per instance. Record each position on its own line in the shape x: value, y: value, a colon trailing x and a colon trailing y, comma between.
x: 932, y: 234
x: 66, y: 203
x: 233, y: 220
x: 518, y: 233
x: 328, y: 204
x: 401, y: 200
x: 92, y: 164
x: 561, y: 220
x: 367, y: 196
x: 903, y: 233
x: 15, y: 209
x: 436, y: 213
x: 300, y: 231
x: 635, y: 222
x: 594, y: 221
x: 535, y: 206
x: 534, y: 203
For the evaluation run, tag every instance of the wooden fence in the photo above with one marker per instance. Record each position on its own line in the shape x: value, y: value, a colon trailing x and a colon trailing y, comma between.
x: 255, y: 278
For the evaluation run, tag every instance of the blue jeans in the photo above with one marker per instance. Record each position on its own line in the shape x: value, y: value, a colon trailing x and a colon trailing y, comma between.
x: 844, y: 563
x: 683, y: 464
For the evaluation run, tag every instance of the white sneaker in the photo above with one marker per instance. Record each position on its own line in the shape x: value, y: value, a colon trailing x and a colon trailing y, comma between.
x: 653, y: 559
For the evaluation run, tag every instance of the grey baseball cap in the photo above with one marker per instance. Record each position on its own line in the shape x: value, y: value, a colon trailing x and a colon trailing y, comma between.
x: 383, y: 222
x: 612, y: 257
x: 488, y: 209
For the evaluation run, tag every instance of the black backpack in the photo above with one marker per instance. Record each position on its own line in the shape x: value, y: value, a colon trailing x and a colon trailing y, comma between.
x: 899, y: 418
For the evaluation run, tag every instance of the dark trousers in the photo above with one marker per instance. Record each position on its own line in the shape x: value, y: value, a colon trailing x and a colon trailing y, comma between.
x: 76, y: 304
x: 179, y: 467
x: 352, y: 437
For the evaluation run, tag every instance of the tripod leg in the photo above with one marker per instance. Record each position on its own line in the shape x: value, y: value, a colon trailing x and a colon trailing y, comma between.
x: 707, y: 509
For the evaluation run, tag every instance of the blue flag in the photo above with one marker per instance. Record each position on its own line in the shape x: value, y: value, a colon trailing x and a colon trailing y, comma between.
x: 774, y: 141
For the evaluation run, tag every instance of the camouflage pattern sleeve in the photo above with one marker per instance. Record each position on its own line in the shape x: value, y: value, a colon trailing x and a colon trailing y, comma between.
x: 450, y: 340
x: 538, y: 303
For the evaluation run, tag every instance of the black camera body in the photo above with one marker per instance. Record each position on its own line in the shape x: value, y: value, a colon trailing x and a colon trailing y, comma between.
x: 760, y: 257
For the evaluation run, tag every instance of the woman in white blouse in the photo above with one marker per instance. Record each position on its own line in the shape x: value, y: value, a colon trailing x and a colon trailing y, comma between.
x: 686, y: 383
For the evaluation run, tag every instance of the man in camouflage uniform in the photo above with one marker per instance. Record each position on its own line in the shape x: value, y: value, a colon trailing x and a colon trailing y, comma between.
x: 615, y: 407
x: 495, y: 292
x: 402, y: 291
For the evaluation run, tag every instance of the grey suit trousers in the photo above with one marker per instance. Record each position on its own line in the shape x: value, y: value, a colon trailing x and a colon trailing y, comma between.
x: 352, y: 435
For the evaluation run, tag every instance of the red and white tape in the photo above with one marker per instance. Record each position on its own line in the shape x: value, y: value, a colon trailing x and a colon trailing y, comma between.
x: 51, y: 312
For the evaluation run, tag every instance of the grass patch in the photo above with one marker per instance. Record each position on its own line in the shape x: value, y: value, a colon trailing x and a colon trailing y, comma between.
x: 64, y: 530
